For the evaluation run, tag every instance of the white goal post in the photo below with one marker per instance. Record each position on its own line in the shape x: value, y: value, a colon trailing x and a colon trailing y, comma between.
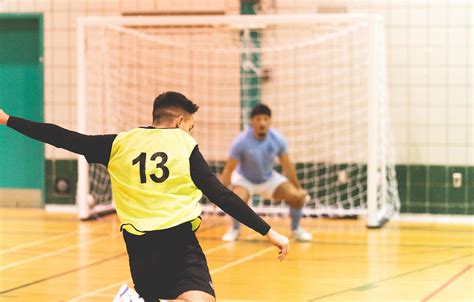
x: 324, y: 76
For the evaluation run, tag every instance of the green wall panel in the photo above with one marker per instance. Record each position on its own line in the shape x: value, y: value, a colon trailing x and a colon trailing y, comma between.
x: 21, y: 94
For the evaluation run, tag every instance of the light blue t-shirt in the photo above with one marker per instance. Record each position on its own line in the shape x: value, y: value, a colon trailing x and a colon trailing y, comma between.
x: 256, y: 157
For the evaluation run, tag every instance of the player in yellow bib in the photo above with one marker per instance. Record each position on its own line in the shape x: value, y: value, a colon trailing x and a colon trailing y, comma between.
x: 158, y: 177
x: 158, y: 161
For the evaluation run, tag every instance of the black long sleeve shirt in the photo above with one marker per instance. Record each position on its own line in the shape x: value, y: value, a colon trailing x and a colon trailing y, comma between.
x: 97, y: 148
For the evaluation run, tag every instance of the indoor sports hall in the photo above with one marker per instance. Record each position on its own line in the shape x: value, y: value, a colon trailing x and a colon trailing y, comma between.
x: 373, y: 102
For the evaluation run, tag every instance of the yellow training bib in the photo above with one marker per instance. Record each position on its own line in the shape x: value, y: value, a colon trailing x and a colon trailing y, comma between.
x: 151, y: 179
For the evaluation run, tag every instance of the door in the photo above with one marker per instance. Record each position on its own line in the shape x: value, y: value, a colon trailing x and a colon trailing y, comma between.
x: 21, y: 94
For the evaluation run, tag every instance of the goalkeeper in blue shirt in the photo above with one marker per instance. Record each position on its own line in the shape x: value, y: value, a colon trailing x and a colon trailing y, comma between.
x: 249, y: 170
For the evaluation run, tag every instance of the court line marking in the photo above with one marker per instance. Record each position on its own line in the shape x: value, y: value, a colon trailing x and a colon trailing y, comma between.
x: 92, y: 231
x: 117, y: 284
x: 55, y: 252
x: 94, y: 293
x: 211, y: 226
x: 207, y: 252
x: 390, y: 278
x: 66, y: 249
x: 63, y: 273
x: 242, y: 260
x: 36, y: 242
x: 451, y: 280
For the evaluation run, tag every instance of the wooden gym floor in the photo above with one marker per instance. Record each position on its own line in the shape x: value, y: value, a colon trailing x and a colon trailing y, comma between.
x: 53, y: 257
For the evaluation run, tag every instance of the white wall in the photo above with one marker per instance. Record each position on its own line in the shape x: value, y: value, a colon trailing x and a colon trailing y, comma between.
x: 429, y: 43
x: 430, y: 47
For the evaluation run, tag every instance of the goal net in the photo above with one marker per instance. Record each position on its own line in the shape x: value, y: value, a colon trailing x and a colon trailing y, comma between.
x: 324, y: 78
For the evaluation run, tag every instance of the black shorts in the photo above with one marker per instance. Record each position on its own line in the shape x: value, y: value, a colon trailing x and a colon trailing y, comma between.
x: 167, y: 263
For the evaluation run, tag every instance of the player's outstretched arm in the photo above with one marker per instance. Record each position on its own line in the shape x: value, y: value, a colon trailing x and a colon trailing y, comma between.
x: 230, y: 203
x: 3, y: 117
x: 96, y: 148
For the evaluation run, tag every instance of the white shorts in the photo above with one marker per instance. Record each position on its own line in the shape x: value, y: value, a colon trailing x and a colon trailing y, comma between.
x: 264, y: 189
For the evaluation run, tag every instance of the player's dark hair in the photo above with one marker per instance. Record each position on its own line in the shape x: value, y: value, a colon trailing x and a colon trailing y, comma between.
x: 261, y: 109
x: 170, y: 104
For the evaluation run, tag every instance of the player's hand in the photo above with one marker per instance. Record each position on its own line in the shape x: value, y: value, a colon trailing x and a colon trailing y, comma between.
x: 280, y: 241
x: 3, y: 117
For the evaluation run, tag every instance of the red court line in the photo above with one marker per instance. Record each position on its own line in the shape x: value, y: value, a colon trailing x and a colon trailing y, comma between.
x: 431, y: 295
